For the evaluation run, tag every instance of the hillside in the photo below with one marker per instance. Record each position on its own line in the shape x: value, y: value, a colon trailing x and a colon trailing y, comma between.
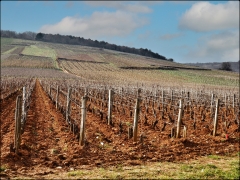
x: 216, y: 65
x: 87, y: 109
x: 101, y: 65
x: 57, y: 38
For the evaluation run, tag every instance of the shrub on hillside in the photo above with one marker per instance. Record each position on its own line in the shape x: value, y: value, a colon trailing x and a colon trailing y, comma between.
x: 226, y: 66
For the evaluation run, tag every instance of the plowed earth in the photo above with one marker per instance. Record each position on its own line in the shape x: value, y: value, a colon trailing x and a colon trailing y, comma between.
x: 18, y: 50
x: 49, y: 147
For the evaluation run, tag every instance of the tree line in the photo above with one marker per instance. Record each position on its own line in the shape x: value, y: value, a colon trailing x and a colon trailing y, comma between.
x: 68, y: 39
x: 12, y: 34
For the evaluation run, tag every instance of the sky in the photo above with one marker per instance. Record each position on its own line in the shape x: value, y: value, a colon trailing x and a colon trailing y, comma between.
x: 187, y: 31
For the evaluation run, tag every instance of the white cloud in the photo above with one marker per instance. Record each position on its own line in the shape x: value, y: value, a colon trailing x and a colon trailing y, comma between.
x: 170, y: 36
x: 204, y: 16
x: 137, y: 8
x: 182, y: 2
x: 99, y: 24
x: 125, y: 18
x: 113, y: 4
x: 219, y: 47
x: 133, y: 7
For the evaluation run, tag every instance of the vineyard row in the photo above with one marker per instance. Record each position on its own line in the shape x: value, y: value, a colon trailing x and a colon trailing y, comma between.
x: 23, y: 88
x: 136, y: 113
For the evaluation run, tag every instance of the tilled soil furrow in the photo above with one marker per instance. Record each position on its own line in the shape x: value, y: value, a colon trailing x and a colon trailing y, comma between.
x: 46, y: 139
x: 7, y: 123
x: 7, y: 107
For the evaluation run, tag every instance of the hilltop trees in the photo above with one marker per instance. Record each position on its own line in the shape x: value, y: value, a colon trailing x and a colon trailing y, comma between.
x: 94, y: 43
x: 67, y: 39
x: 39, y: 36
x: 226, y: 66
x: 12, y: 34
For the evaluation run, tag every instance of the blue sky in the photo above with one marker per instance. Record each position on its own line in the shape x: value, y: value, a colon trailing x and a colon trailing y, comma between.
x: 191, y: 31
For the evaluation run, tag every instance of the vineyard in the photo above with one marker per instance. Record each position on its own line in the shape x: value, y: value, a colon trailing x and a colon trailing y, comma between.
x: 107, y: 66
x: 65, y: 106
x: 71, y: 123
x: 27, y: 54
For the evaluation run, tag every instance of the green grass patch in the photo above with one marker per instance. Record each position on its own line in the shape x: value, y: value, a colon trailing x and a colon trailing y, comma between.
x: 44, y: 51
x: 77, y: 173
x: 216, y: 157
x: 209, y: 167
x: 208, y: 171
x: 234, y: 172
x: 10, y: 50
x: 213, y: 77
x: 3, y: 168
x: 6, y: 41
x: 186, y: 168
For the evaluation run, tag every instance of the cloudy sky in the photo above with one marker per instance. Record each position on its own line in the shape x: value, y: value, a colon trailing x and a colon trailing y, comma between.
x: 188, y: 31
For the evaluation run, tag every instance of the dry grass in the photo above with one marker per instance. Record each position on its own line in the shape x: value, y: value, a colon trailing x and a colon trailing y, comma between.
x: 208, y: 167
x: 204, y: 168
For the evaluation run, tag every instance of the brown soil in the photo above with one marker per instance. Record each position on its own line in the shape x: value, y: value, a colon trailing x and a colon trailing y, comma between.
x: 7, y: 122
x: 48, y: 147
x: 18, y: 50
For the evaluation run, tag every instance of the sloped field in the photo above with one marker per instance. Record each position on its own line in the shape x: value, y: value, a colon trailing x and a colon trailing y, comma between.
x: 108, y: 66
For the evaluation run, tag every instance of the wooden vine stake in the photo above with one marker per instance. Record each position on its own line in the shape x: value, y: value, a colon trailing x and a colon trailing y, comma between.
x: 162, y: 104
x: 110, y: 105
x: 234, y: 100
x: 171, y: 95
x: 18, y: 114
x: 57, y: 94
x: 130, y: 132
x: 225, y: 100
x: 68, y: 104
x: 24, y: 115
x: 50, y: 91
x: 179, y: 119
x: 172, y: 132
x: 184, y: 132
x: 136, y: 116
x: 83, y: 119
x: 212, y: 97
x: 215, y: 118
